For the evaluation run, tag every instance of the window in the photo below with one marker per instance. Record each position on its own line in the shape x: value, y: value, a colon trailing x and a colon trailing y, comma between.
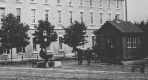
x: 117, y: 4
x: 33, y: 17
x: 81, y: 2
x: 18, y: 13
x: 46, y: 15
x: 117, y: 16
x: 58, y: 1
x: 20, y: 49
x: 34, y: 45
x: 60, y: 43
x: 81, y: 15
x: 93, y: 41
x: 70, y: 2
x: 46, y: 1
x: 48, y: 48
x: 91, y: 15
x: 70, y: 12
x: 83, y: 46
x: 131, y: 42
x: 59, y: 16
x: 101, y: 20
x: 2, y: 13
x: 134, y: 42
x: 18, y: 0
x: 108, y: 3
x: 91, y: 3
x: 6, y: 50
x: 33, y: 1
x: 100, y: 3
x: 109, y: 16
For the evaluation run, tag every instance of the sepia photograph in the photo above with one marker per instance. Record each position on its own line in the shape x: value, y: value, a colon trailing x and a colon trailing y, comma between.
x: 73, y: 39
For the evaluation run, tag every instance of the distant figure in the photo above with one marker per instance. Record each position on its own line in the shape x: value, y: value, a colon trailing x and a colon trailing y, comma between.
x: 88, y: 56
x: 80, y: 54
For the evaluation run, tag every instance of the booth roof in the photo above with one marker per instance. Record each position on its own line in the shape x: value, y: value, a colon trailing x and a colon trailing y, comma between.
x: 126, y: 26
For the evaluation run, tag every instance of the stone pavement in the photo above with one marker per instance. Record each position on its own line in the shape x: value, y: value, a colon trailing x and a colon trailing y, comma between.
x: 70, y: 70
x: 61, y: 70
x: 17, y: 73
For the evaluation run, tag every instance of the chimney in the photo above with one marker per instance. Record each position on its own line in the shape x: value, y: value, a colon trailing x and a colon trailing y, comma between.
x: 117, y: 19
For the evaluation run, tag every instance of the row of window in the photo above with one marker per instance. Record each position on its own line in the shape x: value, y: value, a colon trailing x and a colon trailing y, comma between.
x: 81, y: 2
x: 22, y: 49
x: 48, y: 47
x: 71, y: 16
x: 46, y: 13
x: 18, y: 50
x: 91, y: 17
x: 60, y: 44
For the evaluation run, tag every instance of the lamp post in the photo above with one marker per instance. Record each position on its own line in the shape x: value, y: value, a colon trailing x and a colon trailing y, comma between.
x: 45, y: 39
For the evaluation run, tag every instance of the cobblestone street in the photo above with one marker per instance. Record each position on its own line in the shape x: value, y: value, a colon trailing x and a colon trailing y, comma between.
x: 71, y: 71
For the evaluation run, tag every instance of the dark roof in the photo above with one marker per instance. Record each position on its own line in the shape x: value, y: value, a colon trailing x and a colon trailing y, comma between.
x: 126, y: 26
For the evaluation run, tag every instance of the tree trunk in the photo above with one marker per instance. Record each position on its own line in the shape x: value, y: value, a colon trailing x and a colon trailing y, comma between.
x: 11, y: 54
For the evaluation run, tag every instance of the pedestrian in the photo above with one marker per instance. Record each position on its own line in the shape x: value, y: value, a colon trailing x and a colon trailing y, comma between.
x: 80, y: 54
x: 88, y: 56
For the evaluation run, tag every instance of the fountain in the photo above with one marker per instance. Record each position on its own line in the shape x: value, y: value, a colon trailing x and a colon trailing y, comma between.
x: 46, y: 57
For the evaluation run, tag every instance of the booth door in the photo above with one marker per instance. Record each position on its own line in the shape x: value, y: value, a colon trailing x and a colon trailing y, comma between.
x: 111, y: 47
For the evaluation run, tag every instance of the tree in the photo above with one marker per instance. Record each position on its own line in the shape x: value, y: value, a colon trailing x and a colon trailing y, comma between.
x: 13, y: 33
x: 51, y: 34
x: 96, y: 48
x: 48, y: 28
x: 144, y: 26
x: 75, y: 35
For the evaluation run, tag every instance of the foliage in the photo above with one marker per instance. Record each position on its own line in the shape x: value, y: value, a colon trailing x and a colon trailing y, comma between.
x: 13, y: 33
x: 75, y: 35
x: 51, y: 34
x: 144, y: 26
x: 96, y: 47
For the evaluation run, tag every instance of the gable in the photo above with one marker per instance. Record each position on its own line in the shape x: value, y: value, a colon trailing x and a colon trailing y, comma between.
x: 108, y: 28
x: 126, y: 27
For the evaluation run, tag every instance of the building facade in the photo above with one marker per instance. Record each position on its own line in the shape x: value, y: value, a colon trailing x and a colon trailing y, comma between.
x: 94, y: 13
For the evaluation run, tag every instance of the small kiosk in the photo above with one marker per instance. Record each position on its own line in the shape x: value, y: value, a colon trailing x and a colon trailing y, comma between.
x: 120, y: 39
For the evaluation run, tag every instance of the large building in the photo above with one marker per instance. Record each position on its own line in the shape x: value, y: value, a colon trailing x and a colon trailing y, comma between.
x: 61, y: 13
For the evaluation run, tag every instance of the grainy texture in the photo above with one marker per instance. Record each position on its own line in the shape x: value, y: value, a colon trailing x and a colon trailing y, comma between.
x: 71, y: 71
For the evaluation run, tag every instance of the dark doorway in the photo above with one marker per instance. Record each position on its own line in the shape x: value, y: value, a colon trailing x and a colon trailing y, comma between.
x: 110, y: 40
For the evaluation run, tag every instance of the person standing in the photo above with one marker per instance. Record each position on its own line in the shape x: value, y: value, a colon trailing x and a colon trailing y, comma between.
x: 89, y: 56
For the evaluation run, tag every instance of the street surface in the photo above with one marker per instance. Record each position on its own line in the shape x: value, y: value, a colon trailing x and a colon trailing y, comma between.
x: 71, y: 71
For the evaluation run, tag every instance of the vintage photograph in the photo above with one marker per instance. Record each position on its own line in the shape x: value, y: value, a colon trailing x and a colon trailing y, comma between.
x: 73, y: 40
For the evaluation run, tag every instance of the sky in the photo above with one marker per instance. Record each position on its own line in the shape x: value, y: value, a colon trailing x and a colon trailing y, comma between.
x: 137, y: 10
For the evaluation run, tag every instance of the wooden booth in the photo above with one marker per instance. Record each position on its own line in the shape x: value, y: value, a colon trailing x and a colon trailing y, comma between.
x: 120, y: 39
